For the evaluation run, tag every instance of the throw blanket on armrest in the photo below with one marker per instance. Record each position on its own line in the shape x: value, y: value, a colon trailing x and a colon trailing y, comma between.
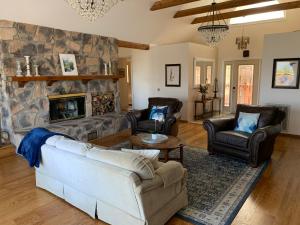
x: 31, y: 144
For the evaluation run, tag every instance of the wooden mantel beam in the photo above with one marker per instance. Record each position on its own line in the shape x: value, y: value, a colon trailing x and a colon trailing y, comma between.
x: 127, y: 44
x: 247, y: 12
x: 220, y: 6
x: 162, y: 4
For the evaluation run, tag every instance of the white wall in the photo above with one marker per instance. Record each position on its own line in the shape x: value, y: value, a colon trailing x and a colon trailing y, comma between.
x: 148, y: 71
x: 285, y: 45
x: 228, y: 51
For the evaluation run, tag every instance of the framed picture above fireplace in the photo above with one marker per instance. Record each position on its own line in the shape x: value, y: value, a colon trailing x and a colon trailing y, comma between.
x: 68, y: 64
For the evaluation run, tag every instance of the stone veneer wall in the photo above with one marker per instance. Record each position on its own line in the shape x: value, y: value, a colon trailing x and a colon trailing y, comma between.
x: 27, y: 107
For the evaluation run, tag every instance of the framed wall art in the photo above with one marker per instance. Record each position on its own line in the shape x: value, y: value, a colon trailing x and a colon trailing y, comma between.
x: 286, y: 73
x: 173, y: 75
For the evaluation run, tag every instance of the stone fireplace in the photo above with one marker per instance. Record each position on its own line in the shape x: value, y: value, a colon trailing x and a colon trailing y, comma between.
x: 29, y: 106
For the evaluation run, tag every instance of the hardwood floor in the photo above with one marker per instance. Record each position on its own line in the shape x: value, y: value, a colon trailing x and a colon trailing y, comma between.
x: 275, y: 199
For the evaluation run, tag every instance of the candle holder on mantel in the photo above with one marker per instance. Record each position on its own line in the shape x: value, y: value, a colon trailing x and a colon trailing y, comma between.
x: 19, y: 69
x: 27, y: 60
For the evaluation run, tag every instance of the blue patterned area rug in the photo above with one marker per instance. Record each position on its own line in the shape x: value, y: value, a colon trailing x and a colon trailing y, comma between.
x: 217, y: 187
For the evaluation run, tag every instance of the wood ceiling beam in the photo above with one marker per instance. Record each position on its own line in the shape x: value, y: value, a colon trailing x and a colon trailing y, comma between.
x: 247, y: 12
x: 219, y: 6
x: 128, y: 44
x: 162, y: 4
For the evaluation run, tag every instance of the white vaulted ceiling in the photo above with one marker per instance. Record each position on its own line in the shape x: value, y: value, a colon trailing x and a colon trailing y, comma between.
x: 130, y: 20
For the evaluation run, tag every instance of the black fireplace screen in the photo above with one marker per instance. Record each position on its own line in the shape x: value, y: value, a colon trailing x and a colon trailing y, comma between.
x: 67, y: 108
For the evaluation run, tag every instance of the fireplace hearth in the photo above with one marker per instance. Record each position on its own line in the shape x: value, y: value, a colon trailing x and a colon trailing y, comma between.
x: 66, y: 107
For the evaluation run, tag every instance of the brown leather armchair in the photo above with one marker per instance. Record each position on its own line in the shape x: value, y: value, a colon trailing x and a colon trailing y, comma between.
x: 256, y: 147
x: 140, y: 122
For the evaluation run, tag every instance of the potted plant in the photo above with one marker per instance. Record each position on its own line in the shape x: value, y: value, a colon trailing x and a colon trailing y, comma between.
x: 203, y: 90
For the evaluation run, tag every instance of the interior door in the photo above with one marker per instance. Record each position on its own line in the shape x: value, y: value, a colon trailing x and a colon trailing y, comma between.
x: 241, y: 83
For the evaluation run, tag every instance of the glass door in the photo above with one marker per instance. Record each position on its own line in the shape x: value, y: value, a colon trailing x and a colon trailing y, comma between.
x: 240, y: 83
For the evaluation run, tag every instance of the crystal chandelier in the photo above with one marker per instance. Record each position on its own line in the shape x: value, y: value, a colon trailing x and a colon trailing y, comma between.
x: 215, y: 29
x: 92, y: 9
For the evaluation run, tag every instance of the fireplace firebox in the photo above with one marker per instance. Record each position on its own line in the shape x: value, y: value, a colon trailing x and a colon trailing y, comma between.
x: 66, y: 107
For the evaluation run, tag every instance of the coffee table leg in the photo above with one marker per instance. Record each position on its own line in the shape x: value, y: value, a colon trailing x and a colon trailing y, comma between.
x: 181, y: 153
x: 166, y: 156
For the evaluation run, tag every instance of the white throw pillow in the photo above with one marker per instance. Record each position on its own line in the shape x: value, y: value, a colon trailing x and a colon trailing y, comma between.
x: 52, y: 140
x: 76, y: 147
x: 151, y: 154
x: 126, y: 160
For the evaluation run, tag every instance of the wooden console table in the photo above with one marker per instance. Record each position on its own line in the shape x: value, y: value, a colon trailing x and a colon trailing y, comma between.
x: 204, y: 103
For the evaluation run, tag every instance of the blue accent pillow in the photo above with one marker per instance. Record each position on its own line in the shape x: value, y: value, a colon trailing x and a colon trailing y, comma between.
x: 247, y: 122
x: 158, y: 113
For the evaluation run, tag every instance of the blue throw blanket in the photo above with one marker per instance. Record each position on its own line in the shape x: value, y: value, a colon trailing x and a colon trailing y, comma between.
x: 31, y: 144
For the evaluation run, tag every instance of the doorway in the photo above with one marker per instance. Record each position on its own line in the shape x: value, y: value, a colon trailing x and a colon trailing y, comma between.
x: 124, y: 67
x: 241, y: 83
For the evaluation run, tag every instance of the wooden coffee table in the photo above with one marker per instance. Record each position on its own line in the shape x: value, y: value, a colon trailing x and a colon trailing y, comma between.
x: 166, y: 147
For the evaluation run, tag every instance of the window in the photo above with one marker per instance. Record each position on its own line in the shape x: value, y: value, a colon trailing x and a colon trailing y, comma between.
x: 197, y: 76
x: 227, y: 85
x: 258, y: 17
x: 208, y: 74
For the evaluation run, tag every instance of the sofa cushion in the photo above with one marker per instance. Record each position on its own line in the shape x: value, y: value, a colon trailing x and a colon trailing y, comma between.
x: 151, y: 154
x: 149, y: 126
x: 126, y: 160
x: 75, y: 147
x: 267, y: 114
x: 235, y: 138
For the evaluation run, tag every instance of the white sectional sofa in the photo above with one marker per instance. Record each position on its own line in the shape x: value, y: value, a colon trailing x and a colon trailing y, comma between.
x: 120, y: 188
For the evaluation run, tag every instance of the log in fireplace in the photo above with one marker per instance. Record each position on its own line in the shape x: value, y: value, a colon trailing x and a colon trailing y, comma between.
x: 66, y: 107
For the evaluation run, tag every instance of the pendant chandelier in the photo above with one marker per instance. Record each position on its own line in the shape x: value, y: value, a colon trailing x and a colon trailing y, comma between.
x: 92, y: 9
x: 216, y: 29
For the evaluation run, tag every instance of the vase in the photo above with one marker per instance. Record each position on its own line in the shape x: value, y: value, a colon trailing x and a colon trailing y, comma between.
x: 203, y: 97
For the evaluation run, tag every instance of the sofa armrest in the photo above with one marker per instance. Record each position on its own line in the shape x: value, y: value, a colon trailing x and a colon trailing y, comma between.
x: 263, y: 133
x: 218, y: 124
x: 212, y: 126
x: 261, y: 143
x: 138, y: 114
x: 134, y: 117
x: 167, y: 174
x: 177, y: 115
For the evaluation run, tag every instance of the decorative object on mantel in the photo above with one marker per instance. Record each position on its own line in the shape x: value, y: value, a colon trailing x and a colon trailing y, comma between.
x: 36, y: 69
x: 19, y: 69
x: 92, y: 9
x: 27, y: 60
x: 216, y: 88
x: 105, y: 69
x: 173, y: 75
x: 109, y: 68
x: 68, y: 64
x: 286, y: 73
x: 203, y: 90
x: 215, y: 30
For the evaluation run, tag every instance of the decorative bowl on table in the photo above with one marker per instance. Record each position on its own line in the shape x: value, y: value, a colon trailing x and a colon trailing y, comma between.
x: 153, y: 138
